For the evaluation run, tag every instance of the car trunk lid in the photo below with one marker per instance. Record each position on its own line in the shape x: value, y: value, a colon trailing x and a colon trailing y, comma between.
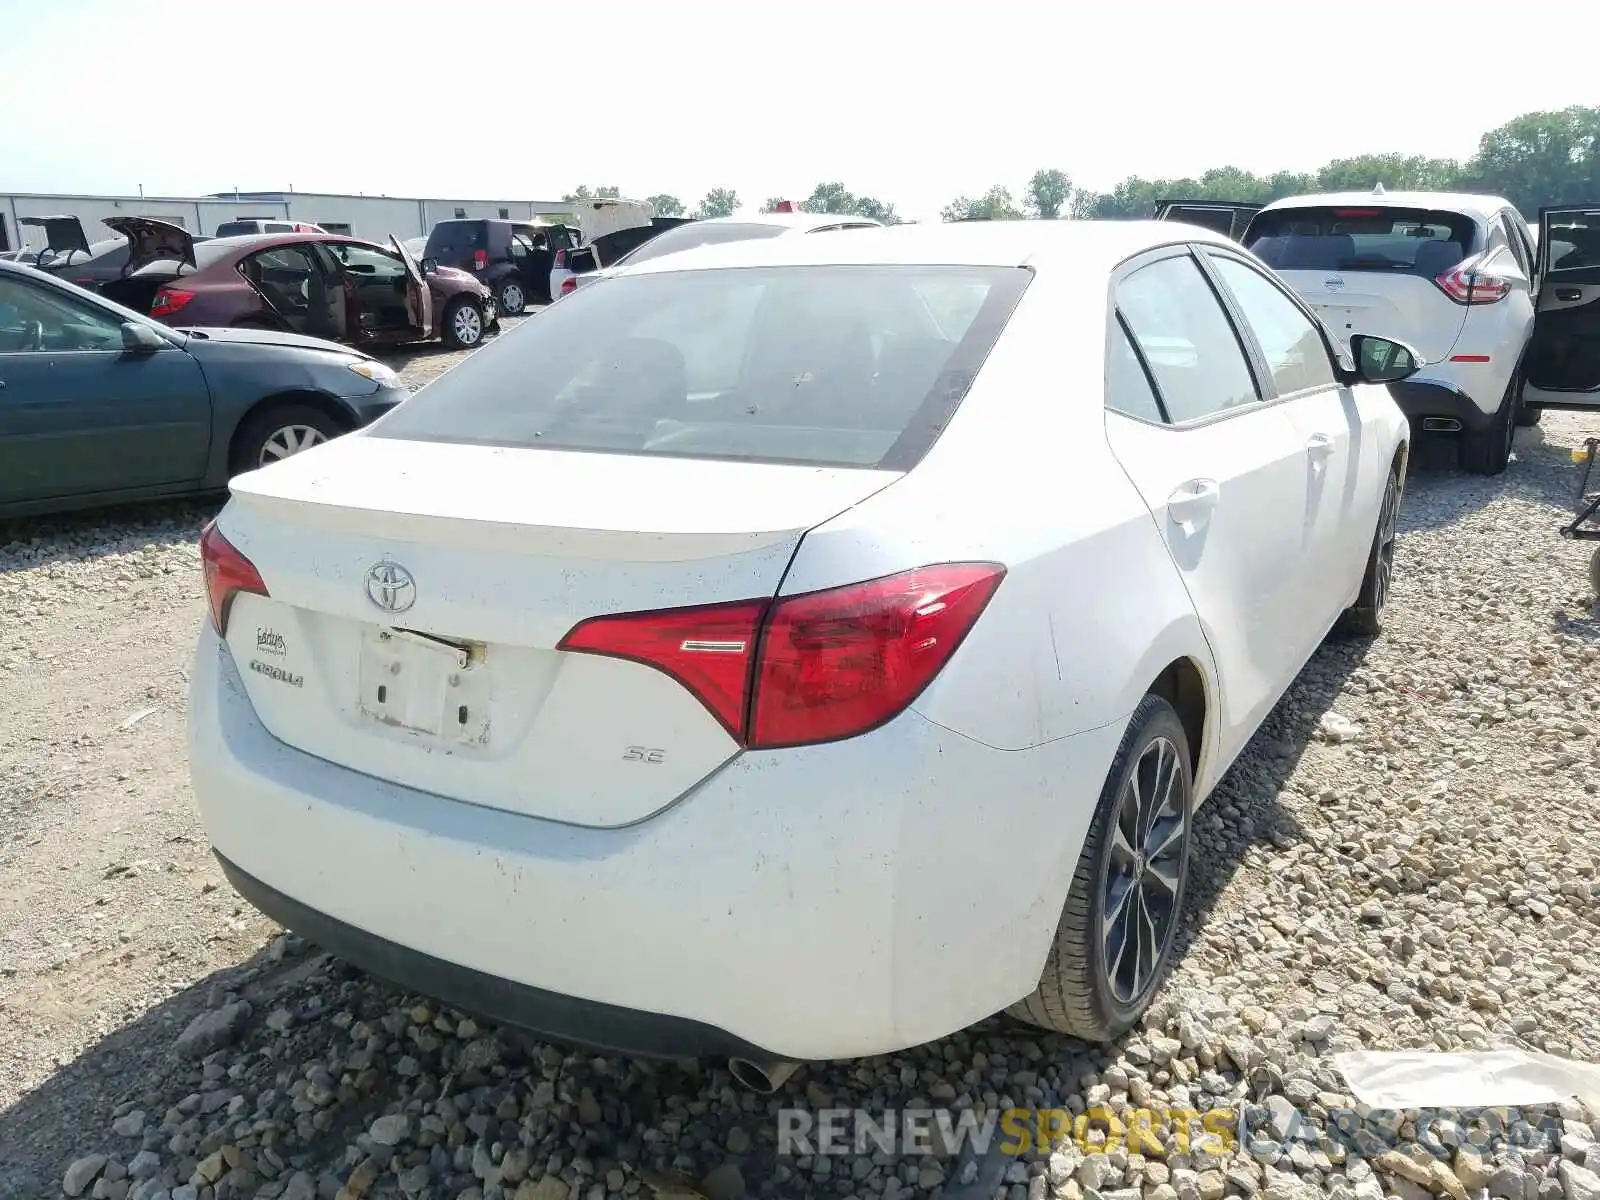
x: 152, y: 241
x: 419, y: 591
x: 1403, y: 307
x: 63, y: 235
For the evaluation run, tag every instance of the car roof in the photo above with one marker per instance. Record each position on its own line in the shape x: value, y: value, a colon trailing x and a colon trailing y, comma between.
x: 1091, y: 245
x: 785, y: 220
x: 1482, y: 207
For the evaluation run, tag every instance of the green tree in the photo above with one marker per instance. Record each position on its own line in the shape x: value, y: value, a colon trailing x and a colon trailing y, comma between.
x: 835, y: 198
x: 994, y: 205
x: 1048, y: 192
x: 1410, y: 172
x: 667, y: 206
x: 1540, y: 159
x: 719, y: 202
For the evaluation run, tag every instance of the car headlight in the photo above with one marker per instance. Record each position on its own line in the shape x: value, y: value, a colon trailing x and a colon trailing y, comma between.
x: 381, y: 375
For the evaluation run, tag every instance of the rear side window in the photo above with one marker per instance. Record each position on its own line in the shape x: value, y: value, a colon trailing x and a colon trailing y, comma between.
x: 279, y: 227
x: 237, y: 229
x: 1186, y: 337
x: 686, y: 237
x: 1128, y: 389
x: 1391, y: 241
x: 829, y: 366
x: 456, y: 239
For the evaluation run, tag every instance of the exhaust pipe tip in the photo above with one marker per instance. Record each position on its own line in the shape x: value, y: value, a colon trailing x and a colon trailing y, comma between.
x: 763, y: 1077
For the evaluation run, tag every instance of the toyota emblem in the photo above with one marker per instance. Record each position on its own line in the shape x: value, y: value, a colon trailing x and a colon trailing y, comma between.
x: 390, y: 587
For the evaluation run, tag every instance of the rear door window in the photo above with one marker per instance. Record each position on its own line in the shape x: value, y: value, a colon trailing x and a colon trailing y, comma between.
x: 1186, y: 337
x: 1290, y: 341
x: 836, y: 365
x: 1390, y: 241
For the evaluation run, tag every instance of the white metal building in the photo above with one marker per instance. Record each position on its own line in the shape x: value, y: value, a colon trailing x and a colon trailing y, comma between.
x: 369, y: 217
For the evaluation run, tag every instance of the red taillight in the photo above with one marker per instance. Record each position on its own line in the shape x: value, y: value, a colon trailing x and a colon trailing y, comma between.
x: 811, y: 668
x: 708, y: 649
x: 169, y: 301
x: 569, y: 284
x: 86, y: 282
x: 1465, y: 285
x: 561, y: 259
x: 227, y: 574
x: 480, y: 260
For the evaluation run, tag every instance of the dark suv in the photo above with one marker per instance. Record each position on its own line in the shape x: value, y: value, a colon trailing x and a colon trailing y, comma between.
x: 511, y: 258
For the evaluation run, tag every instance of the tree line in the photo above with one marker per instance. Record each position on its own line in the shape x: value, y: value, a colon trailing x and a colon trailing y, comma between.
x: 1535, y: 160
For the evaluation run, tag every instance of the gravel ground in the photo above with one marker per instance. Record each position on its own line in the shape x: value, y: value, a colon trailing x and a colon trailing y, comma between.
x: 1404, y: 858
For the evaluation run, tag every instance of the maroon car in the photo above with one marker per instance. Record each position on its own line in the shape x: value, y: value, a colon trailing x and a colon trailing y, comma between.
x: 319, y: 284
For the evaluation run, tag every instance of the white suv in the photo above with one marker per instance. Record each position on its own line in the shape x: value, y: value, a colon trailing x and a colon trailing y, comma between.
x: 1457, y: 277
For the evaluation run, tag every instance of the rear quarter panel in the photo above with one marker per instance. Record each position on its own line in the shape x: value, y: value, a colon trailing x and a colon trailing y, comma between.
x: 1091, y: 609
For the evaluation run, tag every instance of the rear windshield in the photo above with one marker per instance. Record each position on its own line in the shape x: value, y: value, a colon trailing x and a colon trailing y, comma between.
x: 857, y: 366
x: 685, y: 237
x: 457, y: 236
x: 1394, y: 241
x: 237, y: 228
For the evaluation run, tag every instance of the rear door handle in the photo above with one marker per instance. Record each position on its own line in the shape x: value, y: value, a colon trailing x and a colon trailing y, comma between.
x: 1192, y: 502
x: 1569, y: 294
x: 1319, y: 446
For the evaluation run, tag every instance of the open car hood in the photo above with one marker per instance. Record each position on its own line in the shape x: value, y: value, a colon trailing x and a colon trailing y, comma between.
x: 63, y: 234
x: 152, y: 241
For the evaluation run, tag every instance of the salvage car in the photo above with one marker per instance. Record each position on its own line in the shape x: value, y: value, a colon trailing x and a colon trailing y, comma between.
x: 775, y: 652
x: 100, y: 405
x: 68, y: 253
x: 319, y: 284
x: 1506, y: 324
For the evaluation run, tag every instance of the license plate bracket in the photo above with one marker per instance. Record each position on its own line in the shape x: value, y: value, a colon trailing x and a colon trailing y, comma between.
x: 425, y: 687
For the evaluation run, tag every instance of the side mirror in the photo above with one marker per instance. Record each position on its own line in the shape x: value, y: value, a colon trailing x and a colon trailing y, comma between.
x: 140, y: 339
x: 1383, y: 360
x: 430, y: 266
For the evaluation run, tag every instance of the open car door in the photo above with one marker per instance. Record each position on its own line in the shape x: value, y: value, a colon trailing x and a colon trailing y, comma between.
x: 1563, y: 360
x: 1222, y: 216
x: 63, y: 238
x: 151, y: 241
x: 419, y: 299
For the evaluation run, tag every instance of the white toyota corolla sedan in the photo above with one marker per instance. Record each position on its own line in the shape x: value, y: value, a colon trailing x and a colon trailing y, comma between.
x: 799, y: 648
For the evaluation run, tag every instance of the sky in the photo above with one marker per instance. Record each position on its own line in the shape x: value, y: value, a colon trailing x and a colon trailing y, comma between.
x: 910, y: 101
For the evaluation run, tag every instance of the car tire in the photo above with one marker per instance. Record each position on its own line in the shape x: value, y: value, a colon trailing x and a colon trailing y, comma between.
x: 1529, y: 415
x: 1364, y: 618
x: 511, y: 298
x: 279, y: 431
x: 1486, y: 451
x: 1089, y: 989
x: 463, y: 325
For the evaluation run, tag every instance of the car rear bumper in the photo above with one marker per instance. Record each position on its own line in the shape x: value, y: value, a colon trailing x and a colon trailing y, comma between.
x: 1423, y: 398
x: 827, y: 902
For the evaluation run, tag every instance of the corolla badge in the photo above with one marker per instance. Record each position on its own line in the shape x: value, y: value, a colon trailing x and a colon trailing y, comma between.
x: 391, y: 587
x: 1333, y: 284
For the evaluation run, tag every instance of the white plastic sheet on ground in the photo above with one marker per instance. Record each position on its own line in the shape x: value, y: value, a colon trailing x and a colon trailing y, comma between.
x: 1393, y: 1079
